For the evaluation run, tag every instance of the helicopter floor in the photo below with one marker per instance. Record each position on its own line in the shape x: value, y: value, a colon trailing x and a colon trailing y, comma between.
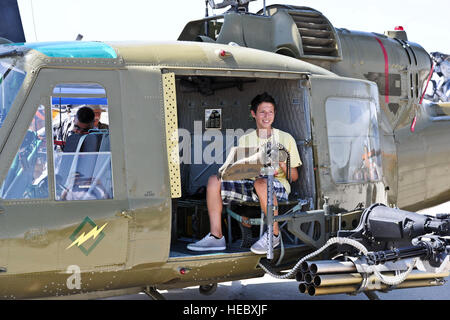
x: 179, y: 249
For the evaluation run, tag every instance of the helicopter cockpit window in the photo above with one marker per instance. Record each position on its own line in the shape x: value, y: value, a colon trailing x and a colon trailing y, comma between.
x: 81, y: 148
x: 11, y: 79
x: 27, y: 176
x: 353, y: 140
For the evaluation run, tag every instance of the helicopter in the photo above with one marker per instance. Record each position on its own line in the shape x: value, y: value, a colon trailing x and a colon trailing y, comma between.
x: 110, y: 212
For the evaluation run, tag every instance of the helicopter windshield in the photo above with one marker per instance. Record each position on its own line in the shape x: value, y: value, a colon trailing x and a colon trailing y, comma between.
x: 11, y: 79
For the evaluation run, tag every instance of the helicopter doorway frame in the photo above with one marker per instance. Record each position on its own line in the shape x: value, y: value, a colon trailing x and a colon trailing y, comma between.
x: 293, y: 107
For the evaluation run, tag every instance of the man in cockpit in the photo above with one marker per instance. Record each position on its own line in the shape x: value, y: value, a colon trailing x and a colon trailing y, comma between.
x: 81, y: 124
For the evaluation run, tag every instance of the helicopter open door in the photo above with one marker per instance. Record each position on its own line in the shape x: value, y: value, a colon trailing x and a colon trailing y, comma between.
x: 346, y: 137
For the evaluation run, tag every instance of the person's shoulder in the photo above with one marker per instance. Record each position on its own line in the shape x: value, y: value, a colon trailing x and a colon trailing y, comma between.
x: 103, y: 126
x: 284, y: 135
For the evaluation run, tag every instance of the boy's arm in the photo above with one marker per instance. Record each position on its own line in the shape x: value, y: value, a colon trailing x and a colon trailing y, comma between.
x: 294, y: 171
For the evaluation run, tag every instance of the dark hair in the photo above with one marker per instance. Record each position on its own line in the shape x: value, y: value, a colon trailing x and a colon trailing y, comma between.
x: 260, y: 98
x: 85, y: 115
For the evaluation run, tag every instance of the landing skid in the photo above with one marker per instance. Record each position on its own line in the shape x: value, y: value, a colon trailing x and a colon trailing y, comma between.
x: 153, y: 293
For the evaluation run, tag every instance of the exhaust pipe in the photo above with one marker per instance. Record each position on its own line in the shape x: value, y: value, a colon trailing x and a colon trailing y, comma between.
x: 325, y: 280
x: 331, y: 266
x: 308, y: 278
x: 303, y: 287
x: 318, y: 291
x: 313, y: 291
x: 334, y: 277
x: 299, y: 276
x: 304, y: 267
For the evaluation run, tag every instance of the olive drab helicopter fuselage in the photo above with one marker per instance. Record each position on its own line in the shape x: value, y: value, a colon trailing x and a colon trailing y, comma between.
x: 112, y: 211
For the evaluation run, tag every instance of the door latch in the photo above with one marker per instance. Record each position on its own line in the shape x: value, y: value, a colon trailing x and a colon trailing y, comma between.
x: 124, y: 214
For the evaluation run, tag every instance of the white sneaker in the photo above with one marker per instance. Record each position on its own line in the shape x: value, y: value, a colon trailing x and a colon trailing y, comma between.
x: 261, y: 246
x: 208, y: 243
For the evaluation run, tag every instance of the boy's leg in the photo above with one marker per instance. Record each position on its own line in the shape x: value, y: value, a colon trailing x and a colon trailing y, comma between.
x: 214, y: 204
x: 213, y: 240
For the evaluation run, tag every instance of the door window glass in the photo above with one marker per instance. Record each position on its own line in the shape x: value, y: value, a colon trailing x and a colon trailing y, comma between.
x: 11, y: 79
x: 81, y: 142
x: 353, y: 140
x: 27, y: 176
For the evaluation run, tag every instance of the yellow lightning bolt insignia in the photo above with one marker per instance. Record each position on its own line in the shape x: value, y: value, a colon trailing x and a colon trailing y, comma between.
x: 85, y: 237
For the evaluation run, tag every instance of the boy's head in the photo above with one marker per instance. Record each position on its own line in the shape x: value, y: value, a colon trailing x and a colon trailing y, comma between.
x: 260, y: 98
x: 263, y: 111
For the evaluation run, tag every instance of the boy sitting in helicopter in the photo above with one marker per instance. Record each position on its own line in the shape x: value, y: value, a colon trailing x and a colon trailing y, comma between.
x: 262, y: 109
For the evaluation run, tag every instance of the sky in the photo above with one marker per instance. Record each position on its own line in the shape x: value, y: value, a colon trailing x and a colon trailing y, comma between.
x: 117, y: 20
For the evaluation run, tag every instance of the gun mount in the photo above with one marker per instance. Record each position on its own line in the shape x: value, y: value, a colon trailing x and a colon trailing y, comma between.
x: 393, y: 226
x: 393, y: 231
x: 389, y: 249
x: 236, y: 5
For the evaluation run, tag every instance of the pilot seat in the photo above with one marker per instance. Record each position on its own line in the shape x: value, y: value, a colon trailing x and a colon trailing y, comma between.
x: 85, y: 166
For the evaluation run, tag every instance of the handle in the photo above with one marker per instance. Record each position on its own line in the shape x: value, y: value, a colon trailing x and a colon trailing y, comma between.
x: 124, y: 214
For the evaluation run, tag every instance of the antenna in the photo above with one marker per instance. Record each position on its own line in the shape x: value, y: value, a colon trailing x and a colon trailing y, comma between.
x: 34, y: 22
x: 206, y: 16
x: 264, y: 6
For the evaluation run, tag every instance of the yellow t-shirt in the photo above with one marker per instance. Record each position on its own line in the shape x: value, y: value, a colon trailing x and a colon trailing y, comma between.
x: 252, y: 140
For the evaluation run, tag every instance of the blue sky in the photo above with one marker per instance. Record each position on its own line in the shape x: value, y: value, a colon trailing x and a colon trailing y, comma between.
x: 49, y: 20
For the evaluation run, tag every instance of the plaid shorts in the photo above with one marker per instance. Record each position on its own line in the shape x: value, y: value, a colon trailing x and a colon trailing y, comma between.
x: 242, y: 190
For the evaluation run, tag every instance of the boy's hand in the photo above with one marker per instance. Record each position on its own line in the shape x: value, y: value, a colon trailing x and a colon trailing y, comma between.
x: 282, y: 166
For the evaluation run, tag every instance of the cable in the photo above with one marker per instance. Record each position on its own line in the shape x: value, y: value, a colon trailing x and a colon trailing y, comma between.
x: 34, y: 22
x: 397, y: 279
x: 291, y: 274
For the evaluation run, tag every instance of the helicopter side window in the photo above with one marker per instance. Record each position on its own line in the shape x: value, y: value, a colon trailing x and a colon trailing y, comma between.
x: 11, y: 79
x: 26, y: 178
x: 353, y: 140
x: 81, y: 148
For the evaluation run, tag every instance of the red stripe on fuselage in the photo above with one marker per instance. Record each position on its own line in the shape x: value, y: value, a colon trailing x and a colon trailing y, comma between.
x: 386, y: 71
